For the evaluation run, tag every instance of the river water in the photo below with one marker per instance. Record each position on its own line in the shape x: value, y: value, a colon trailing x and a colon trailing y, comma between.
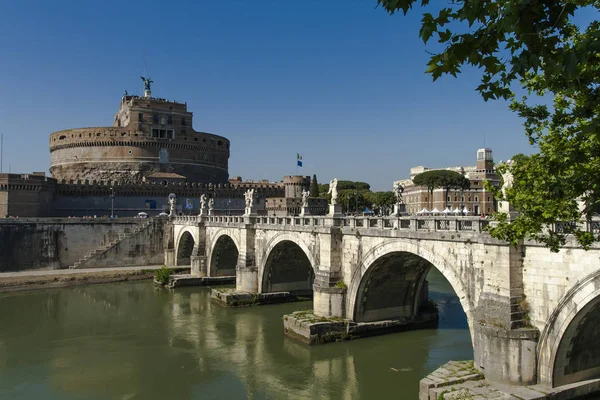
x: 135, y: 341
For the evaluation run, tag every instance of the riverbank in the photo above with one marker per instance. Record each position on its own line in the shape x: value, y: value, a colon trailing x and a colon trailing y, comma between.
x: 45, y: 279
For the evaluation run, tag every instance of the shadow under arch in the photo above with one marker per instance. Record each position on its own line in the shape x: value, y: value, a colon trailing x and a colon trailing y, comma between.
x: 569, y: 347
x: 185, y: 247
x: 390, y: 282
x: 288, y: 269
x: 224, y: 257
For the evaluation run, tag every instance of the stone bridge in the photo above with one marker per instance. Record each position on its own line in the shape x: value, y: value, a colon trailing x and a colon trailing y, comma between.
x: 533, y: 315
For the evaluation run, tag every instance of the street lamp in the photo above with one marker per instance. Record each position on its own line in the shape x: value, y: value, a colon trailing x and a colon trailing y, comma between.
x: 112, y: 202
x: 228, y: 205
x: 356, y: 201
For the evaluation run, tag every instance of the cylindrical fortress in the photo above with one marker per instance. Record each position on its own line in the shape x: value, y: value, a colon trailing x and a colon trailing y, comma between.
x: 294, y: 185
x: 152, y: 140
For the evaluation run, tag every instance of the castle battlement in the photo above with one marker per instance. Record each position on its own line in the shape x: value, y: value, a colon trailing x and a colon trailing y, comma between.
x: 149, y: 136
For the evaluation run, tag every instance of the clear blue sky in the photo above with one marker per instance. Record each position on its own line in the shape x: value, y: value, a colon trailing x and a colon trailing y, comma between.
x: 339, y: 81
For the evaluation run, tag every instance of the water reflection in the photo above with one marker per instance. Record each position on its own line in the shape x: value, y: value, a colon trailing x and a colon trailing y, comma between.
x: 132, y: 341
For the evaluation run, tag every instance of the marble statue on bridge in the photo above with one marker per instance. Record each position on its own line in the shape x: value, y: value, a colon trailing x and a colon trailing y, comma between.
x: 172, y: 203
x: 211, y: 205
x: 305, y: 196
x: 202, y: 204
x: 333, y: 191
x: 398, y: 190
x: 249, y: 198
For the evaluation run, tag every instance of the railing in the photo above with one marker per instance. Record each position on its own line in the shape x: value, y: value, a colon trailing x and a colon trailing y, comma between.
x: 411, y: 223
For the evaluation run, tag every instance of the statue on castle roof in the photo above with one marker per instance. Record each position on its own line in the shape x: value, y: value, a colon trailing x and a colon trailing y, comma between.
x: 147, y: 83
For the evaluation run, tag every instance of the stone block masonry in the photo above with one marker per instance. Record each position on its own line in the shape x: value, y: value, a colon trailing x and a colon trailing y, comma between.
x: 55, y: 243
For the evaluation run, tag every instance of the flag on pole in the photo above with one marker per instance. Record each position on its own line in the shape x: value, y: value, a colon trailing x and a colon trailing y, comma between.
x: 299, y: 159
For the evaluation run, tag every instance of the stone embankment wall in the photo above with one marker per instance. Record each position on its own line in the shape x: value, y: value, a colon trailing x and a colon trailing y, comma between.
x: 53, y: 243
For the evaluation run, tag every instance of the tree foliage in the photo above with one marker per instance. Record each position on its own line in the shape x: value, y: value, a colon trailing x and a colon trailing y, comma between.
x: 534, y: 44
x: 441, y: 179
x: 314, y: 186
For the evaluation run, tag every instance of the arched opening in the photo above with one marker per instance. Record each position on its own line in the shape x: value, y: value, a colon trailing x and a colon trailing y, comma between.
x: 394, y: 286
x: 578, y: 354
x: 224, y: 257
x: 185, y: 248
x: 402, y: 285
x: 288, y: 269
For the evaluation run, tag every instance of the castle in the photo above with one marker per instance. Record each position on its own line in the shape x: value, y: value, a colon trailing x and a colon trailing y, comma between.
x: 150, y: 151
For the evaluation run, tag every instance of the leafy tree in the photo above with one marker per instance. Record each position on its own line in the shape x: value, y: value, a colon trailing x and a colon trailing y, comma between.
x: 534, y: 44
x: 353, y: 200
x: 429, y: 180
x: 451, y: 180
x: 380, y: 199
x: 353, y: 185
x: 314, y: 187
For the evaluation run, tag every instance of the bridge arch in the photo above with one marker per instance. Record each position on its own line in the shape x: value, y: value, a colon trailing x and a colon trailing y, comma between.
x: 187, y: 241
x: 569, y: 347
x: 288, y: 265
x: 418, y: 260
x: 224, y: 251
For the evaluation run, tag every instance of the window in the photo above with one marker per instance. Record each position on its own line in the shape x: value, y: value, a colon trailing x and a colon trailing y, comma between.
x: 170, y: 120
x: 476, y: 198
x: 488, y: 199
x: 220, y: 143
x: 182, y: 121
x: 141, y: 117
x: 162, y: 133
x: 183, y: 131
x: 155, y: 118
x: 448, y: 199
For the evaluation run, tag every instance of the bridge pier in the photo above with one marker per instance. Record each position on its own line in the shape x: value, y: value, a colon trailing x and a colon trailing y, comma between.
x: 329, y: 302
x: 198, y: 266
x: 505, y: 355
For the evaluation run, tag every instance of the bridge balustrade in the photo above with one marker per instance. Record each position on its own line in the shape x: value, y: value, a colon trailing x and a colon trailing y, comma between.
x: 409, y: 223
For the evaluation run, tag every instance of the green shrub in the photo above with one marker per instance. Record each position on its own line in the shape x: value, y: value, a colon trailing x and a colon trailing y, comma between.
x: 163, y: 275
x: 341, y: 285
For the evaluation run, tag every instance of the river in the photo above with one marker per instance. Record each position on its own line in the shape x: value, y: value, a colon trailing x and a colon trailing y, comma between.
x: 134, y: 341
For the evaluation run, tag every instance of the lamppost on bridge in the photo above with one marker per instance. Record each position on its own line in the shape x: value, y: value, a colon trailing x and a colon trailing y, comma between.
x: 356, y: 201
x: 112, y: 202
x: 228, y: 205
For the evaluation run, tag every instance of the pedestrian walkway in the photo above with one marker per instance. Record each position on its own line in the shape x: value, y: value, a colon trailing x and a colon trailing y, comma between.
x: 59, y: 272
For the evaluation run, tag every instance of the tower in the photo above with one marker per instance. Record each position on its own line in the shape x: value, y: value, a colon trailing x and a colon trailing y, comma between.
x: 485, y: 161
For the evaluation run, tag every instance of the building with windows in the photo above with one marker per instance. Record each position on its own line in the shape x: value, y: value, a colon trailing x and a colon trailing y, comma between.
x: 151, y: 138
x: 477, y: 200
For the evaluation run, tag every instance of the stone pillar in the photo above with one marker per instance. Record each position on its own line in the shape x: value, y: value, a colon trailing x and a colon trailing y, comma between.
x: 246, y: 270
x: 505, y: 355
x: 304, y: 211
x: 504, y: 344
x: 505, y: 207
x: 335, y: 210
x: 199, y: 266
x: 399, y: 210
x: 329, y: 301
x: 169, y: 245
x: 329, y: 290
x: 250, y: 210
